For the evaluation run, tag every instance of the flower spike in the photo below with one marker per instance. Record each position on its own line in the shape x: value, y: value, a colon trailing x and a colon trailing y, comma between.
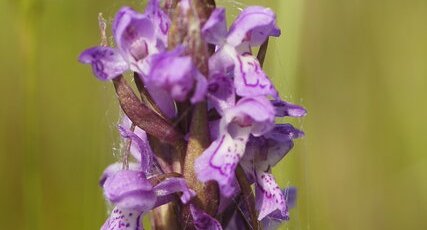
x: 201, y: 136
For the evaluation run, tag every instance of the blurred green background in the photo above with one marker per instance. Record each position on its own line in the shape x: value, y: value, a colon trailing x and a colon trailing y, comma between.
x: 358, y: 66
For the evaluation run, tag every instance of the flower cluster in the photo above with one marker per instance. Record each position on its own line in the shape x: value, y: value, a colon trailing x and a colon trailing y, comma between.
x: 243, y: 105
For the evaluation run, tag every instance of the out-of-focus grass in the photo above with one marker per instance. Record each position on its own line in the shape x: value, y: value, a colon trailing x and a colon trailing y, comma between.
x: 359, y: 67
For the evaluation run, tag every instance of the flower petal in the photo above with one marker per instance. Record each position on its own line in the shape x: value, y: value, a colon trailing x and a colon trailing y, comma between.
x: 116, y: 167
x: 139, y: 147
x: 172, y: 73
x: 107, y: 63
x: 214, y: 31
x: 163, y: 99
x: 269, y: 197
x: 130, y: 190
x: 254, y: 112
x: 173, y: 185
x: 134, y: 34
x: 274, y: 219
x: 122, y: 219
x: 125, y: 128
x: 221, y: 93
x: 280, y: 142
x: 203, y: 221
x: 286, y: 109
x: 222, y: 62
x: 266, y: 151
x: 253, y: 25
x: 201, y: 87
x: 250, y: 79
x: 254, y: 157
x: 160, y: 19
x: 219, y: 161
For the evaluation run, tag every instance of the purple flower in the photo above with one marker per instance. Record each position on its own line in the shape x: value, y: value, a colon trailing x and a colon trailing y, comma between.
x: 131, y: 191
x: 249, y: 116
x: 133, y: 195
x: 266, y: 151
x: 261, y: 155
x: 177, y: 75
x: 251, y: 28
x: 274, y: 219
x: 136, y: 38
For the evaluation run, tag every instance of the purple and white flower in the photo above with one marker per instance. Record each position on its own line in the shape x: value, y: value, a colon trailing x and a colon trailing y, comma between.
x: 242, y: 105
x: 251, y: 115
x: 261, y: 155
x: 234, y: 57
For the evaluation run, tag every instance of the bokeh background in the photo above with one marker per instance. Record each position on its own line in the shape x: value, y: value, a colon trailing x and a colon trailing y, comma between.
x: 358, y: 66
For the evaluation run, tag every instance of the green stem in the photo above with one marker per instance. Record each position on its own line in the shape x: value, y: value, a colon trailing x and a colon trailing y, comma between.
x: 207, y: 193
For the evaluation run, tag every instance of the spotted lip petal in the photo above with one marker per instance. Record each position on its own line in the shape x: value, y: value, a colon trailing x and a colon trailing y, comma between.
x: 107, y: 63
x: 253, y: 25
x: 123, y: 220
x: 274, y: 219
x: 268, y: 195
x: 219, y: 161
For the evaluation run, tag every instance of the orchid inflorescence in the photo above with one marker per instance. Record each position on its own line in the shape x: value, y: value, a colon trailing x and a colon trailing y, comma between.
x: 201, y: 134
